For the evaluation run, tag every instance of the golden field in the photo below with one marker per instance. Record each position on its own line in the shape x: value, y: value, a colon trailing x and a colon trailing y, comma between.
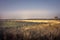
x: 31, y: 29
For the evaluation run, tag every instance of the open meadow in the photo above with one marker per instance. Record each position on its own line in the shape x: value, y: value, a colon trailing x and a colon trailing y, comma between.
x: 29, y: 29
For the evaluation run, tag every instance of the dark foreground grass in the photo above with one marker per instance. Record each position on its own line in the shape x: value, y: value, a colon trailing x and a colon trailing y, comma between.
x: 12, y: 30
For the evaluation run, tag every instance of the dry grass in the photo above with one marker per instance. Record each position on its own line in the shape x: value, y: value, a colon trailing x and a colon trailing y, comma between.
x: 33, y: 30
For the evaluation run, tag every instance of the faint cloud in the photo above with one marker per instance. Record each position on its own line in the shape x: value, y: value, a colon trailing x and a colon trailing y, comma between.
x: 24, y: 14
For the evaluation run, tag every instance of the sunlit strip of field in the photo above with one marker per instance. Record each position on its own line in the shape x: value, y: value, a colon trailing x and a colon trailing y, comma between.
x: 53, y: 21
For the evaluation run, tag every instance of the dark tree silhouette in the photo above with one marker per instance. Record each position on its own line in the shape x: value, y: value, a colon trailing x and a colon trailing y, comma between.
x: 56, y: 17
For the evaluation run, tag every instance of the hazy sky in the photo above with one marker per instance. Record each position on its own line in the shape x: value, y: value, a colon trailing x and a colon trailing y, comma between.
x: 24, y: 9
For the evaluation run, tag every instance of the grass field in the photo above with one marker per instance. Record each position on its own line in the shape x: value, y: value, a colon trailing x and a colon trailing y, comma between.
x: 30, y: 29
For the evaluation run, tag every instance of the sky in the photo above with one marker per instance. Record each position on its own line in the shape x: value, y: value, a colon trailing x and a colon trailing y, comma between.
x: 26, y: 9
